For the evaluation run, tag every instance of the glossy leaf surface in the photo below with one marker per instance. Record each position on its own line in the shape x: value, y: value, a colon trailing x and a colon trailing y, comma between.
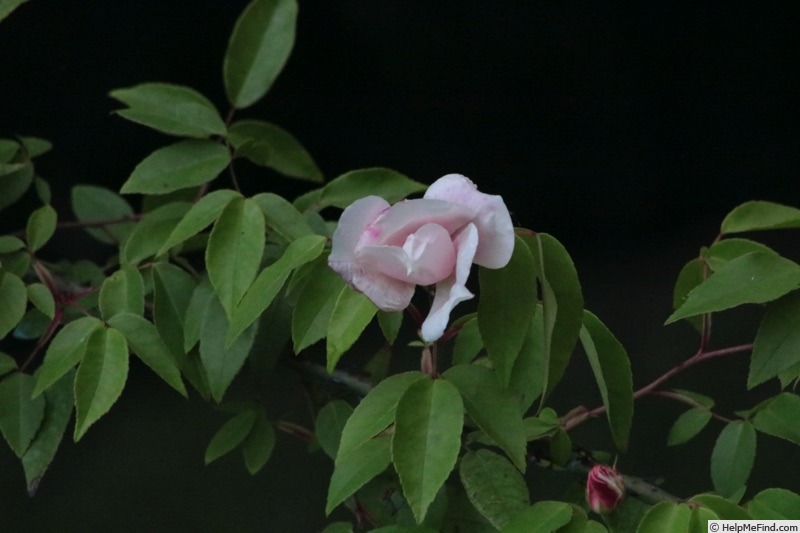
x: 505, y: 310
x: 259, y: 47
x: 100, y: 378
x: 178, y: 166
x: 426, y: 440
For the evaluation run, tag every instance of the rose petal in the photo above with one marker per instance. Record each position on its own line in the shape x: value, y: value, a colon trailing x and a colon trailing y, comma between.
x: 427, y: 257
x: 452, y: 290
x: 495, y: 229
x: 394, y: 225
x: 352, y: 225
x: 386, y: 293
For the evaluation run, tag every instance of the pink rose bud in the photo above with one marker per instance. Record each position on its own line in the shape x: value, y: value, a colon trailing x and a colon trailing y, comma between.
x: 385, y: 251
x: 604, y: 489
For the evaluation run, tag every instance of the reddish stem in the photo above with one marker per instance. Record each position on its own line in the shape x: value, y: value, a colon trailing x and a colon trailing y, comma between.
x: 699, y: 357
x: 69, y: 224
x: 48, y: 334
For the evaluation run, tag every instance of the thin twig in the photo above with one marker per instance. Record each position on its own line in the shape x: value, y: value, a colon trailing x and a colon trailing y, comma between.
x: 688, y: 401
x: 48, y: 334
x: 699, y: 357
x: 70, y: 224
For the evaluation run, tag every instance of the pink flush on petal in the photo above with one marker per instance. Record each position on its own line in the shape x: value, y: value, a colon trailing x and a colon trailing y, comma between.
x: 384, y: 251
x: 604, y: 489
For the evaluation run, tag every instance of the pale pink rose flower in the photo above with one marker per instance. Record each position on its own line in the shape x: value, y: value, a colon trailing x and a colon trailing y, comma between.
x: 385, y: 251
x: 604, y: 489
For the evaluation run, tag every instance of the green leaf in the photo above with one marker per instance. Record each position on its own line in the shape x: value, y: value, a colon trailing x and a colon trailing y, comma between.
x: 14, y: 181
x: 184, y: 164
x: 779, y: 417
x: 35, y: 146
x: 7, y: 364
x: 529, y: 375
x: 8, y: 149
x: 666, y: 517
x: 560, y: 447
x: 172, y: 291
x: 541, y: 517
x: 612, y: 371
x: 42, y: 299
x: 536, y: 428
x: 722, y: 252
x: 314, y: 307
x: 230, y: 435
x: 196, y: 313
x: 221, y: 364
x: 355, y: 468
x: 505, y: 310
x: 691, y: 275
x: 234, y: 251
x: 732, y: 457
x: 151, y: 232
x: 13, y: 301
x: 122, y: 292
x: 389, y: 184
x: 308, y: 202
x: 330, y: 422
x: 92, y: 204
x: 145, y: 342
x: 775, y: 504
x: 468, y: 343
x: 100, y: 378
x: 700, y: 399
x: 759, y: 215
x: 269, y: 282
x: 9, y: 243
x: 777, y: 344
x: 65, y: 351
x: 562, y: 301
x: 269, y: 146
x: 42, y: 450
x: 491, y: 407
x: 725, y: 509
x: 258, y: 445
x: 688, y: 425
x: 376, y: 411
x: 43, y: 190
x: 32, y: 326
x: 171, y: 109
x: 20, y: 415
x: 258, y: 49
x: 390, y: 322
x: 41, y: 226
x: 578, y: 523
x: 282, y: 216
x: 7, y: 6
x: 426, y: 441
x: 16, y: 263
x: 200, y: 215
x: 351, y: 314
x: 494, y: 486
x: 698, y: 521
x: 752, y: 278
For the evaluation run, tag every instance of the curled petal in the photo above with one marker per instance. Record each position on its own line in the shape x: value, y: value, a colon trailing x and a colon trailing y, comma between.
x: 352, y: 225
x: 394, y: 225
x: 427, y: 257
x: 452, y: 290
x: 495, y: 230
x: 388, y: 294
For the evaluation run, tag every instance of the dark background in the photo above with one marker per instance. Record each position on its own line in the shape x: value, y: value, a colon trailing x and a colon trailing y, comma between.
x: 626, y: 131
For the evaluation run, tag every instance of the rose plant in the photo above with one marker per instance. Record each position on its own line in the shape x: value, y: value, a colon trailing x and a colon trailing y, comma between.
x: 211, y: 289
